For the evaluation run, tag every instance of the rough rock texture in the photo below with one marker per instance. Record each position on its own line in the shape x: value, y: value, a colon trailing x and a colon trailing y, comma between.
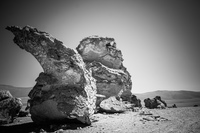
x: 9, y: 107
x: 110, y: 82
x: 4, y: 94
x: 102, y: 50
x: 65, y: 90
x: 135, y: 101
x: 105, y: 60
x: 162, y: 101
x: 113, y: 105
x: 155, y: 103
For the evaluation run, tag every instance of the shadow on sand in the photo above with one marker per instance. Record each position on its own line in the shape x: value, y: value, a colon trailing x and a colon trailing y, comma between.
x: 33, y: 127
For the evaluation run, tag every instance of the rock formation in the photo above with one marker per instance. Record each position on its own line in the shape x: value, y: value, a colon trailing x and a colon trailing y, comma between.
x: 135, y: 101
x: 105, y: 60
x: 9, y: 107
x: 112, y: 105
x: 66, y: 90
x: 162, y: 101
x: 156, y: 102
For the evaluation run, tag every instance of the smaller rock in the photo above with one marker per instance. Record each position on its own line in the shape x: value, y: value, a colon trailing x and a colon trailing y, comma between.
x: 112, y: 105
x: 151, y: 103
x: 4, y: 94
x: 9, y: 107
x: 149, y: 119
x: 156, y: 102
x: 136, y: 101
x: 145, y: 113
x: 174, y: 106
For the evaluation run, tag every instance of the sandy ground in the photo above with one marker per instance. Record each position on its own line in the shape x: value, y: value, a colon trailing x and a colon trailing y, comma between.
x: 171, y: 120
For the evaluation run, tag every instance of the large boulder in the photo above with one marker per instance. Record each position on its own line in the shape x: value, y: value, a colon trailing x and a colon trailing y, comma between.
x: 9, y: 107
x: 105, y: 61
x: 66, y: 90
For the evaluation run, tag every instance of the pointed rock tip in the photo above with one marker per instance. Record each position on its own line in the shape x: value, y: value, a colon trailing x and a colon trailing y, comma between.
x: 12, y: 28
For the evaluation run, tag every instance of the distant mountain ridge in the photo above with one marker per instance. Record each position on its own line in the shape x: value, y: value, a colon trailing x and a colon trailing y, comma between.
x: 16, y: 91
x: 166, y: 95
x: 170, y: 95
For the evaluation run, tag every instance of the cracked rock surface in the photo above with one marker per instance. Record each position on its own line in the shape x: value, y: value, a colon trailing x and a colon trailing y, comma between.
x: 66, y: 90
x: 105, y: 60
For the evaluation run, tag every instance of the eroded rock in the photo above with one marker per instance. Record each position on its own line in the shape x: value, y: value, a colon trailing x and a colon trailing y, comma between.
x: 9, y: 107
x: 105, y: 60
x: 101, y: 50
x: 135, y: 101
x: 156, y: 102
x: 4, y: 94
x: 162, y: 101
x: 65, y: 90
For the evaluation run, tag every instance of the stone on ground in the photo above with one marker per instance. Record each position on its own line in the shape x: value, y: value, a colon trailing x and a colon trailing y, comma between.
x: 9, y: 107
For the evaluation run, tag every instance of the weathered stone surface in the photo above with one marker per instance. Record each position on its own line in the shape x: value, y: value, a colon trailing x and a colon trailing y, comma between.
x: 65, y: 90
x: 9, y: 107
x: 112, y: 105
x: 105, y: 60
x: 135, y: 101
x: 155, y: 103
x: 102, y: 50
x: 4, y: 94
x: 162, y: 101
x: 110, y: 82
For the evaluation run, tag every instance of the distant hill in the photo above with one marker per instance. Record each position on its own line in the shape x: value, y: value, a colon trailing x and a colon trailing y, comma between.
x: 170, y: 95
x: 180, y: 98
x: 16, y: 91
x: 166, y: 95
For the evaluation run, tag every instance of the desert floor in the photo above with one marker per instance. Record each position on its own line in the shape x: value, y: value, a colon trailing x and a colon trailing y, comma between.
x: 170, y: 120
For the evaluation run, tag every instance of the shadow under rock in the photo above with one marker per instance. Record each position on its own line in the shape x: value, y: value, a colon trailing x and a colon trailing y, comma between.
x: 19, y: 128
x: 33, y: 127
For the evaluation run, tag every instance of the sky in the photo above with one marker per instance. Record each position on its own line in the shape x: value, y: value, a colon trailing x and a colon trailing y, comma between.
x: 159, y: 39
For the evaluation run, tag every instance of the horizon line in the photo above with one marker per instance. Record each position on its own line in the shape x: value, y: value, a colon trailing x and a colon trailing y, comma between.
x: 131, y: 90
